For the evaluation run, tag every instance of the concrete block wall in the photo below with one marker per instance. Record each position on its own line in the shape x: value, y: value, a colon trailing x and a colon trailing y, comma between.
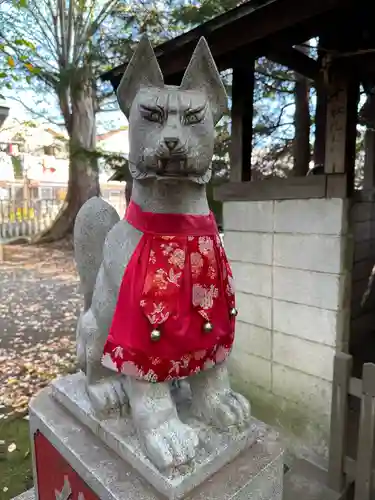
x: 289, y: 259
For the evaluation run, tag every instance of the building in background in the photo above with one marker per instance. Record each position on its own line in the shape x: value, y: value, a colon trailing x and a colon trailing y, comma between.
x: 34, y: 163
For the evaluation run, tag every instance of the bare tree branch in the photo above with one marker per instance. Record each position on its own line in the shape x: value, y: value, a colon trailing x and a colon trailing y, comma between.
x: 33, y: 112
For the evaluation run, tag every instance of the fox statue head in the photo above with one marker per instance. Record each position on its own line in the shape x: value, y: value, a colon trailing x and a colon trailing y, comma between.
x: 171, y: 129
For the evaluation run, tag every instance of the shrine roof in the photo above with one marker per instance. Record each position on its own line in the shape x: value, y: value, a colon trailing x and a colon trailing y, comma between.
x: 249, y: 29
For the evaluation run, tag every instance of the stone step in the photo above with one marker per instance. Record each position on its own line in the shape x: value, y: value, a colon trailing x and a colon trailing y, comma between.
x: 304, y: 481
x: 308, y: 482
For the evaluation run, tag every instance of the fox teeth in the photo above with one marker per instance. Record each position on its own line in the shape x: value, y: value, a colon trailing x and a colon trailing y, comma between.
x: 182, y: 164
x: 160, y: 164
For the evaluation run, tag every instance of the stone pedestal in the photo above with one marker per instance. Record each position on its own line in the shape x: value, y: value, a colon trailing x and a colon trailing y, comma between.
x: 76, y: 454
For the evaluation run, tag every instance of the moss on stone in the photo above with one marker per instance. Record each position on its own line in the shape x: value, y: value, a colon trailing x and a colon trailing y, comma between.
x: 305, y: 433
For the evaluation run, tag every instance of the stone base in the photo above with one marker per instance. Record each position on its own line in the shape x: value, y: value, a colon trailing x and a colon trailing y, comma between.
x: 99, y: 473
x: 215, y: 450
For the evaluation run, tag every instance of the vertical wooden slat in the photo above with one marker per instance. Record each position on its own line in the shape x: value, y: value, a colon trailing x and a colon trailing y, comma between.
x: 242, y: 123
x: 339, y: 416
x: 365, y: 452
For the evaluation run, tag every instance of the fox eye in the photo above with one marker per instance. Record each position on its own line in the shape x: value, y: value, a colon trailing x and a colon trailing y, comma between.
x: 152, y: 114
x: 192, y: 118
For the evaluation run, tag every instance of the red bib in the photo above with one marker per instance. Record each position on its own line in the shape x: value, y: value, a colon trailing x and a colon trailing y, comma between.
x: 175, y: 310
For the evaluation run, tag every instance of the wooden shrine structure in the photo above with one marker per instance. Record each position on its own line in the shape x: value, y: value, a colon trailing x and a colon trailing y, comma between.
x: 346, y: 63
x: 273, y: 28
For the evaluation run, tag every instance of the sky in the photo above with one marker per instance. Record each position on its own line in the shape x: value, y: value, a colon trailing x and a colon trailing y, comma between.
x: 105, y: 121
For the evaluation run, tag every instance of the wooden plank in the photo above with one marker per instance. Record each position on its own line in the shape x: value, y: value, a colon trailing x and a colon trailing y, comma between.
x: 366, y: 440
x: 355, y: 387
x: 339, y: 414
x: 242, y: 123
x: 313, y: 186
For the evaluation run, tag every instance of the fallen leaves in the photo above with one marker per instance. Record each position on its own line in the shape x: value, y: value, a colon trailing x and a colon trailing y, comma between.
x: 24, y: 375
x: 39, y: 305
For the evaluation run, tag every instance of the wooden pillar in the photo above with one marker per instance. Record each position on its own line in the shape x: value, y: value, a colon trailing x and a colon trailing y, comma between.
x: 341, y: 123
x: 242, y: 123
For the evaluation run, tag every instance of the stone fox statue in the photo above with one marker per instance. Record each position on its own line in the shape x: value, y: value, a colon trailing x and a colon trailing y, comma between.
x: 158, y: 294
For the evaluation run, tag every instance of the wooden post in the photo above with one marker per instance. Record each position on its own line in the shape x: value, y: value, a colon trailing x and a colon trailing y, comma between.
x: 339, y: 416
x: 242, y: 123
x: 341, y: 132
x: 366, y: 438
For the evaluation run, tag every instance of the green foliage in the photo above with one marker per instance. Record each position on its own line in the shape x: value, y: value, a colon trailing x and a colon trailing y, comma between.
x: 99, y: 39
x: 15, y: 469
x: 194, y: 13
x: 12, y: 62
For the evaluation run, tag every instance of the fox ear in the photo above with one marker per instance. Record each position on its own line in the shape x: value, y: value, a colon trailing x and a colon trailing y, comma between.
x: 143, y: 69
x: 202, y: 74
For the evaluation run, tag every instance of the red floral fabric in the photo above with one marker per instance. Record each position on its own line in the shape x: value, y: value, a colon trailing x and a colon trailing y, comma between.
x: 176, y: 282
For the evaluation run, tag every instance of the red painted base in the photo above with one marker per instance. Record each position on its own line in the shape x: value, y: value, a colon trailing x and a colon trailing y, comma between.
x: 56, y: 478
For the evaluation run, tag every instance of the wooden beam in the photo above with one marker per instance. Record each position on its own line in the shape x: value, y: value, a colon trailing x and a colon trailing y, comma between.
x: 274, y: 188
x: 291, y: 188
x: 242, y: 123
x: 269, y: 20
x: 341, y: 131
x: 295, y: 60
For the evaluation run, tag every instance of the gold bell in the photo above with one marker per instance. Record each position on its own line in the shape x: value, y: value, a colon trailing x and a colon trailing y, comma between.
x: 208, y: 327
x: 155, y: 335
x: 233, y: 311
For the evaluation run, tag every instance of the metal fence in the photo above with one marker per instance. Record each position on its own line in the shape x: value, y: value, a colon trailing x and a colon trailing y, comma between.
x: 26, y: 218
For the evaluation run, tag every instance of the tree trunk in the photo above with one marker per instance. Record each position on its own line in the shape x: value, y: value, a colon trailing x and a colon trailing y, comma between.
x: 302, y: 127
x: 83, y: 167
